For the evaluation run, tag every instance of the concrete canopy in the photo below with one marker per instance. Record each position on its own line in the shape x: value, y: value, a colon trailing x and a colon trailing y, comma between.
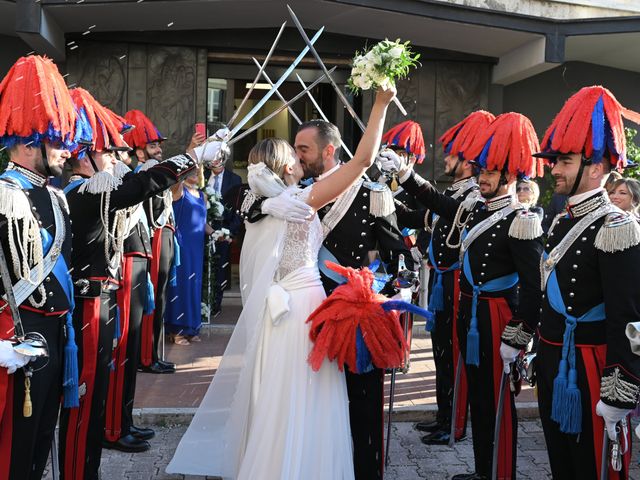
x: 522, y: 45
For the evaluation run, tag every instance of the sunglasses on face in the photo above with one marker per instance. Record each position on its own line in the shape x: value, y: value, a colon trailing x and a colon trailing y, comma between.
x: 523, y: 189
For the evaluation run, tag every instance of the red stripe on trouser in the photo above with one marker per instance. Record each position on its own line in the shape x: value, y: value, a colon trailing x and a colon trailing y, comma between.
x: 500, y: 315
x: 6, y: 402
x: 113, y: 418
x: 146, y: 341
x: 459, y: 413
x: 75, y: 443
x: 594, y: 358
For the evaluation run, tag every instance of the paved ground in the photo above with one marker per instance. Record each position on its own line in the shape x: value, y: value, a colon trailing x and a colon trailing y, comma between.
x: 409, y: 459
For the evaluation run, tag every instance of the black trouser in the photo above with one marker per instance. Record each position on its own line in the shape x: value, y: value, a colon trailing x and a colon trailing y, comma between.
x: 82, y: 428
x: 366, y: 416
x: 484, y: 387
x: 123, y: 376
x: 222, y: 269
x: 166, y: 260
x: 442, y: 344
x: 575, y: 456
x: 32, y: 436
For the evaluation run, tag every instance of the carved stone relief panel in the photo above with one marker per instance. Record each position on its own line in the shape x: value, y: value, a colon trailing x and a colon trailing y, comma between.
x: 460, y: 89
x: 171, y: 88
x: 101, y: 68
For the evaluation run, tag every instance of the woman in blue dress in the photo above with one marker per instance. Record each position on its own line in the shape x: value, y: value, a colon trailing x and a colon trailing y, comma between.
x: 183, y: 317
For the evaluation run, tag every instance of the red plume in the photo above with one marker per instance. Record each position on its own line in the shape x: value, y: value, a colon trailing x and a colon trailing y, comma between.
x: 105, y: 125
x: 572, y: 130
x: 35, y: 103
x: 407, y: 135
x: 351, y: 305
x: 461, y: 135
x: 513, y: 143
x: 144, y: 130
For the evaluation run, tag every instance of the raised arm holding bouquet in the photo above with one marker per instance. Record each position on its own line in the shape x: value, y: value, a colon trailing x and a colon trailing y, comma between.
x: 380, y: 66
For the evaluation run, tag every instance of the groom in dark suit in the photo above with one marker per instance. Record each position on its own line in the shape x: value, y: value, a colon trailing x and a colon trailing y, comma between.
x: 223, y: 181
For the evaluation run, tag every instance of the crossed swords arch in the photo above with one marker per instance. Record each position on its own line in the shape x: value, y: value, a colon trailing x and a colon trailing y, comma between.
x: 234, y: 128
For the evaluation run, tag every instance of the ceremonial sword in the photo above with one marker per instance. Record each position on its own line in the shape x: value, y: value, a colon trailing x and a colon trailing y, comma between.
x: 333, y: 83
x: 266, y: 77
x: 604, y: 463
x: 277, y: 110
x: 456, y: 394
x: 496, y: 430
x: 255, y: 80
x: 309, y: 43
x: 324, y: 117
x: 268, y: 95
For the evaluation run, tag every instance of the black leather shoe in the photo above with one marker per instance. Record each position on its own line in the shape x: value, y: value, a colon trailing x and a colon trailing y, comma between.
x: 169, y: 365
x: 128, y: 443
x: 157, y: 368
x: 439, y: 437
x: 468, y: 476
x: 428, y: 426
x: 142, y: 433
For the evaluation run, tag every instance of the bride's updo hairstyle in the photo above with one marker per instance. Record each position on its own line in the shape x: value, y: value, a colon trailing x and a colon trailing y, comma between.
x: 275, y: 153
x: 267, y: 161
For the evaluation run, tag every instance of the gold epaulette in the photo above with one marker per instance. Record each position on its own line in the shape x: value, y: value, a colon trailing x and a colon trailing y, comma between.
x: 526, y: 225
x: 381, y: 202
x: 619, y: 231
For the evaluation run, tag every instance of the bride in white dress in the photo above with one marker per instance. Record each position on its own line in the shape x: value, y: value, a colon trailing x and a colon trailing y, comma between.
x: 267, y: 414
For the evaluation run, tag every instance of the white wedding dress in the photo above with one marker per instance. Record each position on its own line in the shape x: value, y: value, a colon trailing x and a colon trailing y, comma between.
x: 267, y: 414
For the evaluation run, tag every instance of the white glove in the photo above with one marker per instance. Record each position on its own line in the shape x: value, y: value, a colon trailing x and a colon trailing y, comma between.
x: 509, y: 355
x: 287, y: 207
x: 611, y: 416
x: 403, y: 294
x: 390, y: 161
x: 211, y: 152
x: 10, y: 359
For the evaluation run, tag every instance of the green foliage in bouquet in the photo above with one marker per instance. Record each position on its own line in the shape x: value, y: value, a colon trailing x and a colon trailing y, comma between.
x: 382, y: 65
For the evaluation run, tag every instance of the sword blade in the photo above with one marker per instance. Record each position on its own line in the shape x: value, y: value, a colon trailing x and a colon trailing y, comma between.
x: 266, y: 77
x: 277, y: 110
x: 496, y: 429
x: 604, y: 464
x: 338, y: 90
x: 392, y: 392
x: 324, y: 117
x: 255, y: 80
x: 9, y: 297
x: 268, y: 95
x: 454, y: 403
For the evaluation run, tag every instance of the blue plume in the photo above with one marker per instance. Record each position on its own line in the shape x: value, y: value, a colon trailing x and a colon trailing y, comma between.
x: 597, y: 127
x: 482, y: 159
x: 363, y: 356
x: 406, y: 307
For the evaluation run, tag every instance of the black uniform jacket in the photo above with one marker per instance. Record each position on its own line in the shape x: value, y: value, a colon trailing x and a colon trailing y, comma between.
x: 492, y: 255
x: 588, y: 276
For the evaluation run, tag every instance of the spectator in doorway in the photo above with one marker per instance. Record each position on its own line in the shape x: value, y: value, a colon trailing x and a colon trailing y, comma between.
x: 528, y: 193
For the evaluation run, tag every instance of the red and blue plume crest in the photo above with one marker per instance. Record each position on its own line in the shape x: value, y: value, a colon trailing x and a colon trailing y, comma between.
x: 35, y: 105
x: 407, y: 135
x: 459, y: 138
x: 508, y: 144
x: 144, y: 131
x: 98, y: 125
x: 590, y: 123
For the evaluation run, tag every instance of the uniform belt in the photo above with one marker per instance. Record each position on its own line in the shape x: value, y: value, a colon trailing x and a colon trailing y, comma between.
x: 92, y: 288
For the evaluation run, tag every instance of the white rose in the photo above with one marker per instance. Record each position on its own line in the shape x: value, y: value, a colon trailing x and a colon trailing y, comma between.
x: 396, y: 51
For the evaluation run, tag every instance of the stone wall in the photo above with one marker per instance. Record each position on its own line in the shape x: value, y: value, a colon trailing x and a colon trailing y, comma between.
x: 558, y: 9
x: 168, y: 83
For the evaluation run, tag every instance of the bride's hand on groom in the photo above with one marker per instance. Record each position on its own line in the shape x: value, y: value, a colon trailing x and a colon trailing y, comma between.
x: 287, y: 207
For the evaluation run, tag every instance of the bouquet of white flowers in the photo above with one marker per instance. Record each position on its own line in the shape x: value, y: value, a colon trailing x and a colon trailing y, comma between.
x: 215, y: 209
x: 379, y: 67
